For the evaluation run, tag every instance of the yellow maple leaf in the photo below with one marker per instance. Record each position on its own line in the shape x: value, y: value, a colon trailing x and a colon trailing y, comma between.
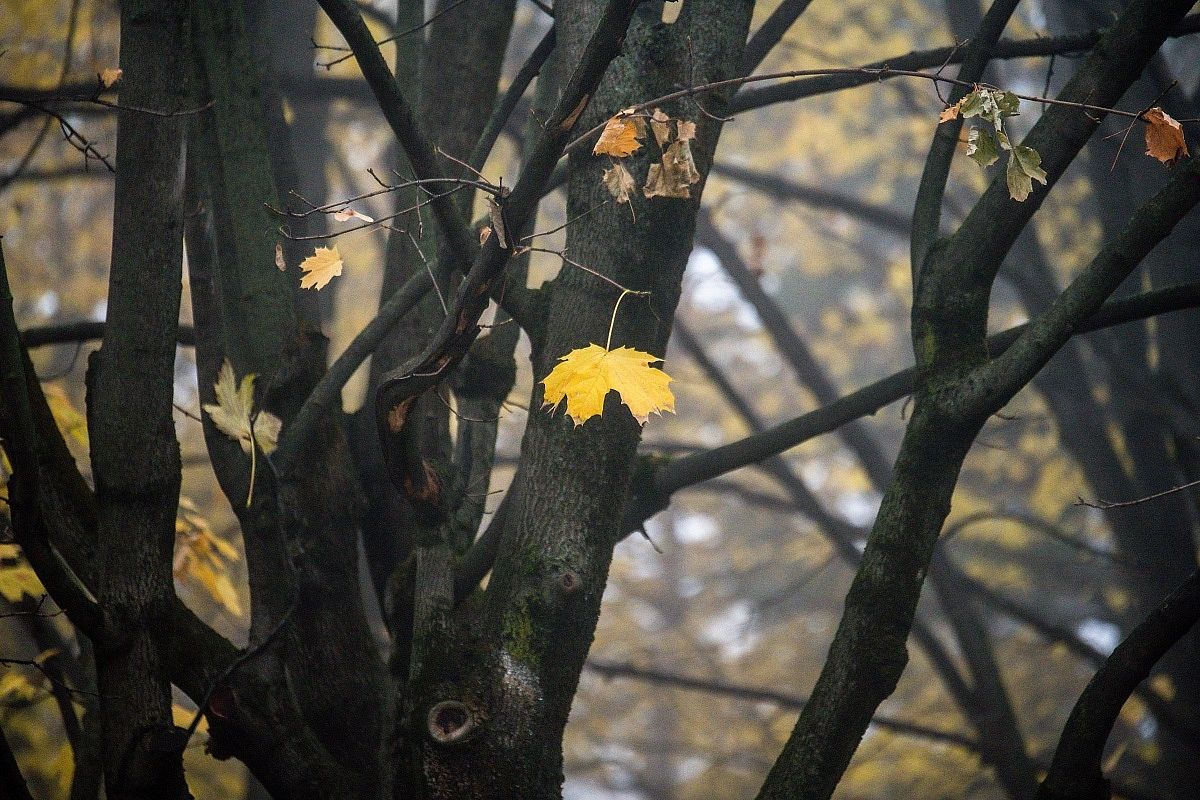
x: 621, y: 135
x: 1164, y: 137
x: 233, y: 413
x: 585, y: 376
x: 110, y: 76
x: 320, y: 268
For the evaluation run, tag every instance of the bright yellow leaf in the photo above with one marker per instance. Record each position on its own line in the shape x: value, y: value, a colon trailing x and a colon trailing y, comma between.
x: 621, y: 136
x: 585, y: 376
x: 110, y: 76
x: 320, y: 268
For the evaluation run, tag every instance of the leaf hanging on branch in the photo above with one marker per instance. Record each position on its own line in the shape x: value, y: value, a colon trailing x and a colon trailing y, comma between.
x: 347, y: 214
x: 1164, y: 137
x: 621, y: 135
x: 674, y: 174
x: 619, y: 182
x: 983, y: 146
x: 585, y: 376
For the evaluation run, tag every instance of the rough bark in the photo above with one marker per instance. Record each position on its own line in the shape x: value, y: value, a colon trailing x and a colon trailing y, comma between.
x: 956, y: 389
x: 135, y: 457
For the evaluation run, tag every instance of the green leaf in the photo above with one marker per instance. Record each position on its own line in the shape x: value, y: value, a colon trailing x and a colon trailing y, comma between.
x: 972, y: 105
x: 1008, y: 104
x: 1024, y: 167
x: 981, y: 147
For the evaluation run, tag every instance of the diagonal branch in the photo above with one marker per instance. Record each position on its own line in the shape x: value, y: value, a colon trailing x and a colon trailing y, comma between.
x: 1075, y: 773
x: 707, y: 464
x: 771, y: 33
x: 402, y: 119
x: 616, y: 669
x: 750, y: 99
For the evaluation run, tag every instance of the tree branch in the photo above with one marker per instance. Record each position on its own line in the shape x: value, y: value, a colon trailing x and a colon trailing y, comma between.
x: 749, y: 99
x: 927, y: 208
x: 783, y: 189
x: 707, y: 464
x: 504, y: 108
x: 1003, y: 376
x: 771, y: 33
x: 617, y: 669
x: 1075, y: 773
x: 21, y: 446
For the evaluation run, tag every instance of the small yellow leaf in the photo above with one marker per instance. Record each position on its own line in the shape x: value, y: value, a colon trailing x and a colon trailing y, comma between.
x: 585, y: 376
x: 949, y: 113
x: 619, y: 182
x: 232, y: 413
x: 1164, y: 137
x: 349, y: 213
x: 110, y: 76
x: 320, y: 268
x: 620, y: 136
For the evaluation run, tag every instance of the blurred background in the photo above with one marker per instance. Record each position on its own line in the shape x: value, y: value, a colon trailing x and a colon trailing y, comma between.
x: 716, y: 623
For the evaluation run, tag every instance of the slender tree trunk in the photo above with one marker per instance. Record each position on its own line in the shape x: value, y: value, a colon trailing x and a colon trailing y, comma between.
x: 135, y: 457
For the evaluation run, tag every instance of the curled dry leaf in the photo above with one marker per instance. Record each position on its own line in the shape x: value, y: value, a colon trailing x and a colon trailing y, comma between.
x: 484, y: 233
x: 619, y: 182
x: 1164, y: 137
x: 496, y: 216
x: 585, y: 376
x: 280, y: 262
x: 110, y: 76
x: 685, y: 130
x: 660, y: 123
x: 320, y: 268
x: 674, y: 174
x: 349, y: 213
x: 949, y: 113
x: 621, y: 135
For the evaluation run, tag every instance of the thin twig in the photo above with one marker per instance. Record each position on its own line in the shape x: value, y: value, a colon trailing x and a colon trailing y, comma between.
x: 880, y: 73
x: 1105, y: 504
